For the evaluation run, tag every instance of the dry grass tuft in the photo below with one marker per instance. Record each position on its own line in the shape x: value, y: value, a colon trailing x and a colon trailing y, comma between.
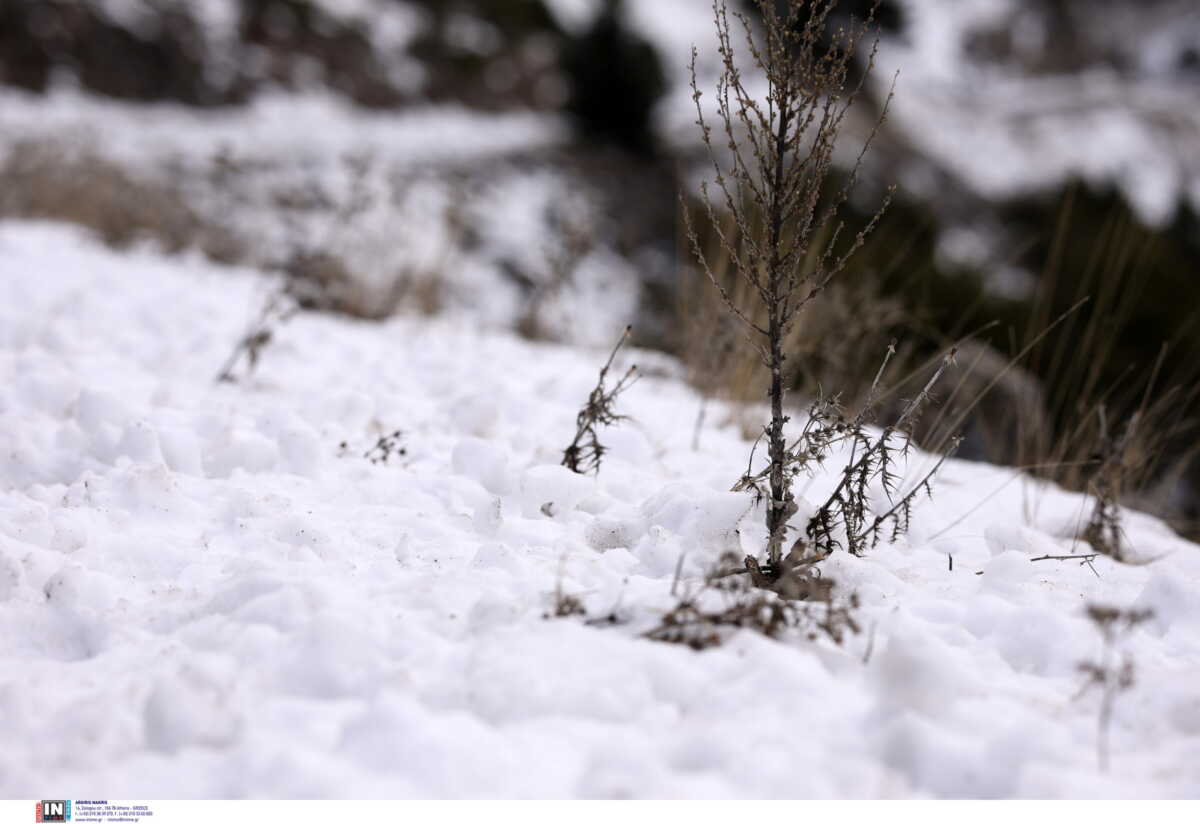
x: 53, y: 181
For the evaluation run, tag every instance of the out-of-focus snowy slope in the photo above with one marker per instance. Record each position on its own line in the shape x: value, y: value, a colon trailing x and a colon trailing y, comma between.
x: 472, y: 203
x: 1002, y: 125
x: 203, y: 594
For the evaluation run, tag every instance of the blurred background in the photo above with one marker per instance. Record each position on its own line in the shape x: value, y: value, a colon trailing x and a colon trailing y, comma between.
x: 520, y: 164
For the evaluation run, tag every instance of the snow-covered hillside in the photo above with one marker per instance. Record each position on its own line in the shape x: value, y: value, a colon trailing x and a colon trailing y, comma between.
x: 207, y: 591
x: 389, y: 198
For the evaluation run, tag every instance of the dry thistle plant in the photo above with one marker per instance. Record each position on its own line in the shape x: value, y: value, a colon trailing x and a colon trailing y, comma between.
x: 585, y: 452
x: 772, y: 182
x: 874, y: 458
x: 1113, y: 674
x: 844, y: 519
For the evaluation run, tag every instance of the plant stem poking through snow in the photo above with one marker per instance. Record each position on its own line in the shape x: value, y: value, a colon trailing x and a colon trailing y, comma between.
x: 772, y: 181
x: 565, y: 605
x: 1111, y: 675
x: 585, y: 452
x: 280, y: 306
x: 1103, y: 529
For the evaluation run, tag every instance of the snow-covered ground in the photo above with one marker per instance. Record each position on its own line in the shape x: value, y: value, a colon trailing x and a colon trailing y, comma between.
x: 204, y: 594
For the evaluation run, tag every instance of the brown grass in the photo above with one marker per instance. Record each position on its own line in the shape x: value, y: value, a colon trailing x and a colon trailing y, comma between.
x: 52, y: 181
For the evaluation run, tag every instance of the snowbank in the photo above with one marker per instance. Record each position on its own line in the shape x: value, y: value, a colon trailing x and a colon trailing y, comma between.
x: 203, y: 594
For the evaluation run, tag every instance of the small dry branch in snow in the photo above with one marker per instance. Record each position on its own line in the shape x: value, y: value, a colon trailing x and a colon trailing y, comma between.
x: 280, y: 306
x: 585, y: 452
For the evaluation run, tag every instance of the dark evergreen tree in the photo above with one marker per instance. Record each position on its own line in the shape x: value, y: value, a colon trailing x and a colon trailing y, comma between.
x: 616, y: 80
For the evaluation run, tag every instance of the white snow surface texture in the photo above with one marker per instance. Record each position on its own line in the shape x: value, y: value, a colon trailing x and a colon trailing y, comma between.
x: 202, y: 594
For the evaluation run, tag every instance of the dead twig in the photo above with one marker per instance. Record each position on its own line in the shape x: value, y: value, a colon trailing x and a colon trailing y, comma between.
x: 280, y: 306
x: 1084, y: 560
x: 585, y: 452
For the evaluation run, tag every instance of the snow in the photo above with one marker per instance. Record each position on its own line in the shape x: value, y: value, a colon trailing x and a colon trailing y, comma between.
x: 307, y: 128
x: 203, y: 595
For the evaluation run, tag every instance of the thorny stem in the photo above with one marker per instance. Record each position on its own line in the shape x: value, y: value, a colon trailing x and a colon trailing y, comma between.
x: 857, y: 466
x: 906, y: 500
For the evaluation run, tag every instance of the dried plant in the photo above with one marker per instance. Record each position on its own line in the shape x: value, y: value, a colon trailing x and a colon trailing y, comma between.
x: 565, y: 605
x: 1103, y: 529
x: 825, y: 427
x: 844, y: 520
x: 772, y: 181
x: 874, y: 458
x: 1124, y: 458
x: 830, y: 348
x: 728, y: 601
x: 387, y: 446
x: 585, y: 452
x: 1087, y: 560
x: 280, y: 306
x: 1113, y: 674
x: 1102, y: 258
